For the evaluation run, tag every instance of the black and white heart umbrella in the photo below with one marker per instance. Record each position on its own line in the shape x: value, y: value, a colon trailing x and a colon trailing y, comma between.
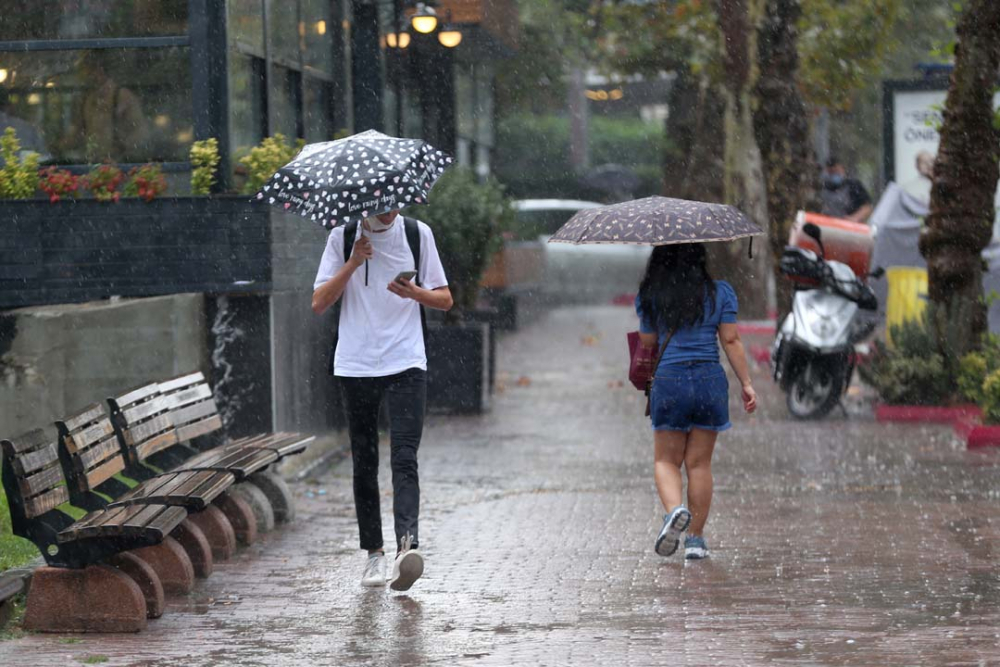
x: 336, y: 182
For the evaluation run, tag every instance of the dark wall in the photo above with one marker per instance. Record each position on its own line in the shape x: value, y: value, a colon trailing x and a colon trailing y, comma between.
x: 71, y: 252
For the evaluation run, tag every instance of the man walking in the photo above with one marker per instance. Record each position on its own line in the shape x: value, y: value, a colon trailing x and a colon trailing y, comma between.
x: 386, y: 270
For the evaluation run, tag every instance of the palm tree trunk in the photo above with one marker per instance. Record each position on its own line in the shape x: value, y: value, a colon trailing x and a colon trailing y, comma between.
x: 960, y: 223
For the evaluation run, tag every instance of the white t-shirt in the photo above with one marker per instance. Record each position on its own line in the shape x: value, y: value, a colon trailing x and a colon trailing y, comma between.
x: 380, y: 333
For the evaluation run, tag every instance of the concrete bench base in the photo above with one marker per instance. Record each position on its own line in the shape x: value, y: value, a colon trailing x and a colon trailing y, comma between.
x: 217, y: 530
x: 240, y: 515
x: 172, y: 566
x: 144, y: 575
x: 99, y: 598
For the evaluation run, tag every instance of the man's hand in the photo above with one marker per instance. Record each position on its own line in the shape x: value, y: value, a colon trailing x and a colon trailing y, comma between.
x: 404, y: 289
x: 362, y: 252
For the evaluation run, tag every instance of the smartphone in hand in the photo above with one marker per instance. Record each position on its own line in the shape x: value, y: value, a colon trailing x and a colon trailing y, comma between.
x: 405, y: 276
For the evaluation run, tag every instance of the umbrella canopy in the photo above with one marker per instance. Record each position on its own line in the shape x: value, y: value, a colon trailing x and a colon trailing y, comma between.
x: 336, y: 182
x: 656, y: 221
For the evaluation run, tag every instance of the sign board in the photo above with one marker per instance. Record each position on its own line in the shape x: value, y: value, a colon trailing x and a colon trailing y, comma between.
x: 913, y: 112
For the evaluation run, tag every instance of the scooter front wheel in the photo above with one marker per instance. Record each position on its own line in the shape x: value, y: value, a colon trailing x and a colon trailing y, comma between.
x: 814, y: 393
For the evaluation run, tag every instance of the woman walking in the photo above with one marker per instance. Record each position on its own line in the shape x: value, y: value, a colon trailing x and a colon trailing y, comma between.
x: 682, y: 313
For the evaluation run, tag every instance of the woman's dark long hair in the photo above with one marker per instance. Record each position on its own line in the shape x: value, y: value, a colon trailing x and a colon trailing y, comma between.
x: 676, y: 286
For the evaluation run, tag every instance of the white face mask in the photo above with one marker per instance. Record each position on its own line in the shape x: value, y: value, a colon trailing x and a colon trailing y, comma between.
x: 377, y: 225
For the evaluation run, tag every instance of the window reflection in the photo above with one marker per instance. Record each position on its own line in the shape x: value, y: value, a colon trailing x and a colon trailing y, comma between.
x: 101, y: 105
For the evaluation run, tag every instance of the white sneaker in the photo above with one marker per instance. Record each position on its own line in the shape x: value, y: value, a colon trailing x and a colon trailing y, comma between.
x: 407, y: 568
x: 374, y: 575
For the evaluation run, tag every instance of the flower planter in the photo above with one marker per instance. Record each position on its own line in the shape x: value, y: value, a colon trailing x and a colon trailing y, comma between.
x: 980, y: 436
x: 76, y: 251
x: 512, y: 280
x: 923, y: 414
x: 458, y: 367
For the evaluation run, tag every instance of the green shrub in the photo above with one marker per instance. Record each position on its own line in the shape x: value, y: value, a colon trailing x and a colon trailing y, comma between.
x: 990, y: 398
x: 467, y: 218
x: 979, y: 378
x: 913, y: 372
x: 204, y: 161
x: 19, y: 175
x: 264, y: 160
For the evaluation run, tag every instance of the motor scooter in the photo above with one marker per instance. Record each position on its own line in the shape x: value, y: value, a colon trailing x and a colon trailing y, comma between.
x: 833, y: 310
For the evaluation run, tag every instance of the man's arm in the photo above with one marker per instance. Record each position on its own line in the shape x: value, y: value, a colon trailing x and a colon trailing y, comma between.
x: 330, y: 292
x: 438, y: 299
x: 861, y: 201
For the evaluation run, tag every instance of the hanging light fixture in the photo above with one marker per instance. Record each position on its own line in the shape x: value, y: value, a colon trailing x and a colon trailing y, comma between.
x: 400, y: 41
x: 425, y: 19
x: 450, y: 36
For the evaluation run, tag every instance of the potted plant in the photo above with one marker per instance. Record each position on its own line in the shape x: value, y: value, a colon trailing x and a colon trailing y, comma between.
x: 467, y: 218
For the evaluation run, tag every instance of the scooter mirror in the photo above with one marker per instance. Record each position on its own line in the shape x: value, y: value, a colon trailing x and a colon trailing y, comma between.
x: 812, y: 230
x: 877, y: 273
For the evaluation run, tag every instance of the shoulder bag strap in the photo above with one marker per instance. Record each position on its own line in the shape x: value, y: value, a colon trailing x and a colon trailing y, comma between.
x: 652, y: 372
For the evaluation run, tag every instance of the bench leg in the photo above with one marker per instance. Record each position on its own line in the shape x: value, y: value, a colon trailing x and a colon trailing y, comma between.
x: 144, y: 575
x: 217, y: 530
x: 98, y: 598
x: 258, y: 502
x: 194, y: 542
x: 240, y: 515
x: 277, y: 491
x: 172, y: 565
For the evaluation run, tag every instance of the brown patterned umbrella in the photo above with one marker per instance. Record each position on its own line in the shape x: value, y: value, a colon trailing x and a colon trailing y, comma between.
x: 656, y: 221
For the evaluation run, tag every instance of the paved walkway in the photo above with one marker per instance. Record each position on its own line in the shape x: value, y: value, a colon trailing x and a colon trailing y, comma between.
x: 836, y: 543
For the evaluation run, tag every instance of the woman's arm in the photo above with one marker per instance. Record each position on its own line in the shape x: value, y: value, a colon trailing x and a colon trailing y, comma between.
x: 732, y: 345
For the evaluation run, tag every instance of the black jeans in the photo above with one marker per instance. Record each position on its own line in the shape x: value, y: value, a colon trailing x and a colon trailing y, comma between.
x: 407, y: 402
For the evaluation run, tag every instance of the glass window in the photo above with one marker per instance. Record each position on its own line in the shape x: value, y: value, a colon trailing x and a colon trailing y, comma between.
x: 246, y: 103
x: 319, y: 30
x: 318, y: 110
x: 82, y: 19
x: 124, y: 105
x: 283, y: 26
x: 245, y: 25
x: 284, y: 101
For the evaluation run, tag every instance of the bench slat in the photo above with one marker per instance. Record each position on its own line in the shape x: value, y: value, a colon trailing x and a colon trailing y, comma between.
x: 45, y: 502
x: 93, y: 525
x: 163, y: 491
x: 192, y: 431
x: 25, y: 442
x: 89, y: 414
x: 146, y: 488
x: 28, y: 463
x: 105, y: 471
x: 157, y: 444
x: 139, y: 521
x: 142, y: 411
x: 98, y: 453
x: 139, y: 433
x: 168, y: 519
x: 82, y: 439
x: 192, y: 395
x: 194, y: 412
x: 176, y: 383
x: 40, y: 482
x: 137, y: 394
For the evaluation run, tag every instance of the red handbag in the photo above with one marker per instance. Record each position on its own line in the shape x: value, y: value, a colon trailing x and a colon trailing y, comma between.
x: 642, y: 365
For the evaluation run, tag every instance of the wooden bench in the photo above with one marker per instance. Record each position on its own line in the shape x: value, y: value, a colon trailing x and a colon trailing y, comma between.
x: 104, y: 571
x: 92, y: 454
x: 188, y: 404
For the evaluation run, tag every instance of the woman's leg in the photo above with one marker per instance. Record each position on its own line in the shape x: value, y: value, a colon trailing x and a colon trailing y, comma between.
x: 698, y: 461
x: 669, y: 448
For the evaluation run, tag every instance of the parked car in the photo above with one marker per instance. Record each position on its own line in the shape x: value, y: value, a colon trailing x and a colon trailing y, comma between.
x: 579, y: 273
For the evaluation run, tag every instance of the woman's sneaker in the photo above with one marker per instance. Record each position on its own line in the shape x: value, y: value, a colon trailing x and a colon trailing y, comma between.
x: 695, y: 547
x: 408, y: 567
x: 674, y: 524
x: 374, y: 575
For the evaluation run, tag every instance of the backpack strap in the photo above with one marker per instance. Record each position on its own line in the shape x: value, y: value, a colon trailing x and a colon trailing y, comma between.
x: 412, y: 229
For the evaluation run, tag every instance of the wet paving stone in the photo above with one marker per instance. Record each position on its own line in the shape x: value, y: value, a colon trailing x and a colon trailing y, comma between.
x: 841, y: 542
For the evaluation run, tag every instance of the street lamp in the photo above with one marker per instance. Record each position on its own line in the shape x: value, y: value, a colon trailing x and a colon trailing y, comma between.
x: 450, y: 36
x: 397, y: 40
x: 425, y: 19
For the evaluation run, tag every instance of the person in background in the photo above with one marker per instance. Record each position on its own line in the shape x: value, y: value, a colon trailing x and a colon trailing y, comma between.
x: 844, y: 197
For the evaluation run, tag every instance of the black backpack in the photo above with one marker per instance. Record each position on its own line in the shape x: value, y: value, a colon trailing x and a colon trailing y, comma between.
x: 413, y: 240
